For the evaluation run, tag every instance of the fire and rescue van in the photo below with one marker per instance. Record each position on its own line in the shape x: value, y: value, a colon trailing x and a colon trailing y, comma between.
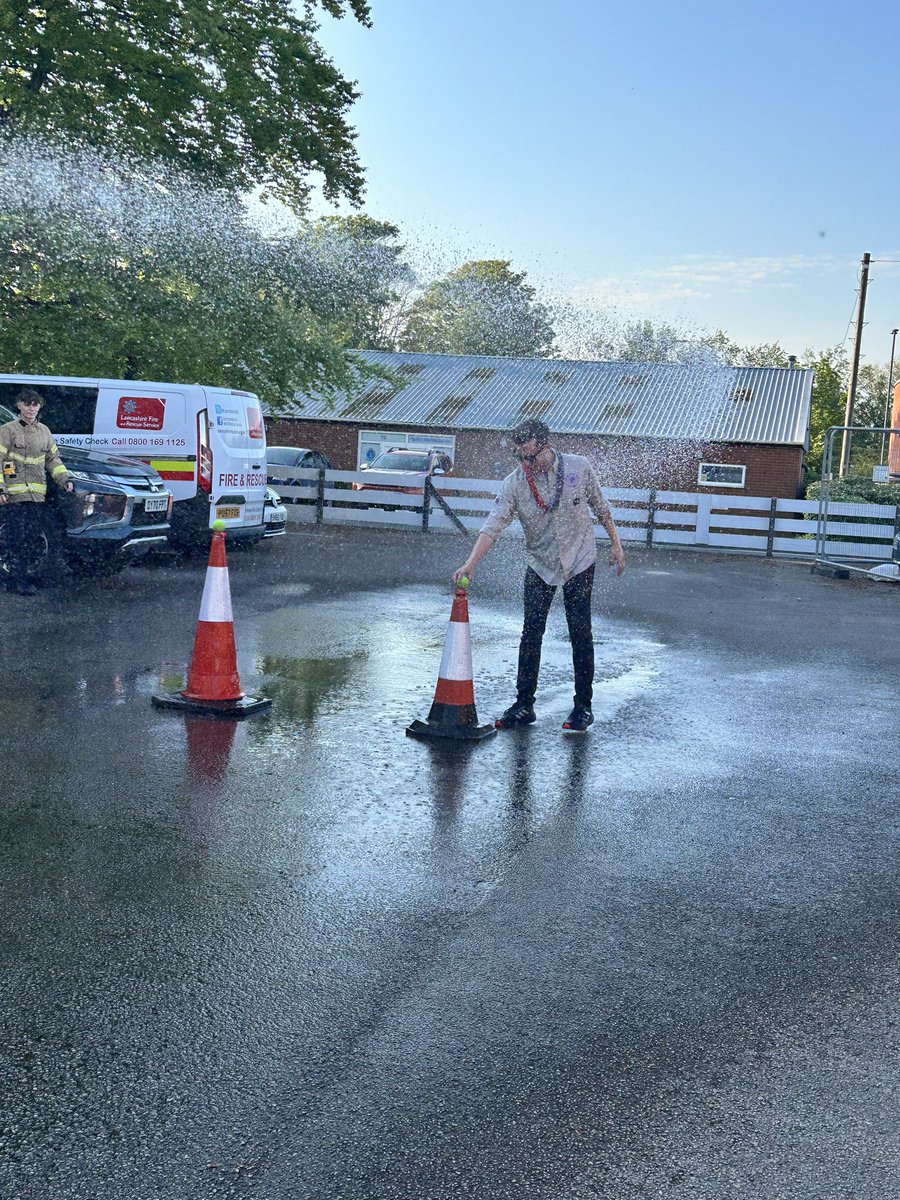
x: 208, y: 444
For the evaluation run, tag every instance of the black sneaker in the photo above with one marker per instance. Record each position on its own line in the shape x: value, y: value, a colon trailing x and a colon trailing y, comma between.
x: 517, y: 714
x: 578, y: 720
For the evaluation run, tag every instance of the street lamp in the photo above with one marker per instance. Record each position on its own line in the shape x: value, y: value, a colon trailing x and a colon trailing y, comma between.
x: 888, y: 406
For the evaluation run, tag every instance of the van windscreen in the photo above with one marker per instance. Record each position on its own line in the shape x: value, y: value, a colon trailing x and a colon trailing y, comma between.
x: 67, y: 408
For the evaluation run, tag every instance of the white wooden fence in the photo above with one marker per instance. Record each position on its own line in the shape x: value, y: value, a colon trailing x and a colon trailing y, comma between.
x: 653, y: 518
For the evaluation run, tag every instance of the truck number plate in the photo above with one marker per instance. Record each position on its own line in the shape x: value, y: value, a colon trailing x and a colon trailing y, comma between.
x: 226, y: 513
x: 156, y: 504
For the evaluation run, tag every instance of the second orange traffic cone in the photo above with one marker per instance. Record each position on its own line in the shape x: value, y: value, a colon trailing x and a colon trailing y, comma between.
x: 453, y: 712
x: 213, y: 684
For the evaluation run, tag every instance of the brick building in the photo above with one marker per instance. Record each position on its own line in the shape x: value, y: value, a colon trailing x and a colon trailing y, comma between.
x: 734, y: 430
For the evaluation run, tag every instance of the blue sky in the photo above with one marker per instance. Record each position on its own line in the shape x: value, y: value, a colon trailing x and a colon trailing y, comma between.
x: 704, y: 164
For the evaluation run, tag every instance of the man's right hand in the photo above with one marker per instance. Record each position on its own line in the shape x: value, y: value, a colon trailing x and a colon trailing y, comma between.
x: 465, y: 569
x: 3, y: 497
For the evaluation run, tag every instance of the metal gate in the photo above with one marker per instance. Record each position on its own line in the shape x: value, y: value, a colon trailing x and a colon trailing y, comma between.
x: 850, y: 524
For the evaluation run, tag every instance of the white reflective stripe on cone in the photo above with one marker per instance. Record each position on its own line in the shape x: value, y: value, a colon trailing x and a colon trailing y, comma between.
x: 216, y: 602
x: 456, y: 661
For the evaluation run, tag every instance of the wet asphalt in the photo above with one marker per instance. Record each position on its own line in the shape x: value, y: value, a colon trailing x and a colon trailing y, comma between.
x: 307, y: 957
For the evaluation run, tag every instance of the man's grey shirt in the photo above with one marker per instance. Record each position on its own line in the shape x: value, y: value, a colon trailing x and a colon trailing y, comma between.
x: 560, y: 543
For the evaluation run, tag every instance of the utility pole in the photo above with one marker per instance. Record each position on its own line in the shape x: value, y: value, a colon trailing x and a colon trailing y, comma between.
x: 890, y: 389
x: 854, y: 366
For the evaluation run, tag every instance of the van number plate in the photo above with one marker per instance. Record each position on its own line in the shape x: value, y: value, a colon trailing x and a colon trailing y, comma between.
x: 156, y: 504
x: 227, y: 514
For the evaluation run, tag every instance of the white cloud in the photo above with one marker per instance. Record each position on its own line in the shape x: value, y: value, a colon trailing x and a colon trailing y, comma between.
x: 699, y: 278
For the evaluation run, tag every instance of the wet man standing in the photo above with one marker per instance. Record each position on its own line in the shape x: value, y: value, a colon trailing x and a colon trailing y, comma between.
x: 556, y: 497
x: 29, y: 454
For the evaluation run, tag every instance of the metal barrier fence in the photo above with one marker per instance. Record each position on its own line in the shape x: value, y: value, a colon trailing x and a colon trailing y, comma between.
x: 754, y: 524
x: 848, y: 524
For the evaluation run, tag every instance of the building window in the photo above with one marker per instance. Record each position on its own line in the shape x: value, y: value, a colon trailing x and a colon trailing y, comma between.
x: 371, y: 442
x: 741, y: 394
x: 632, y: 381
x: 721, y: 475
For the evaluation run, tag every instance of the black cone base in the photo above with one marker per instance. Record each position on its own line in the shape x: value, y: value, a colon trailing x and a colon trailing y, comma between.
x: 430, y: 730
x: 229, y: 709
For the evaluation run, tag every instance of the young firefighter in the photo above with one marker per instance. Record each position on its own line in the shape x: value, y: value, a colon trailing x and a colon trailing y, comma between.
x: 556, y: 498
x: 28, y: 453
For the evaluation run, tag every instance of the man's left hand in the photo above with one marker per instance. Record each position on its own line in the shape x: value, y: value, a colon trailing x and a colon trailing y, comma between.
x: 70, y: 486
x: 617, y: 558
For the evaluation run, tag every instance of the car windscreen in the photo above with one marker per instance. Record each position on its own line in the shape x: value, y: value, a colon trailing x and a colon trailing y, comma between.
x: 68, y: 408
x: 282, y: 456
x: 401, y: 462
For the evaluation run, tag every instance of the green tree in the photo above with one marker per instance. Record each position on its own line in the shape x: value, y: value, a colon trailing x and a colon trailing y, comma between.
x: 829, y: 395
x: 147, y: 293
x: 731, y: 354
x: 365, y: 284
x: 238, y: 92
x: 483, y: 307
x: 649, y: 342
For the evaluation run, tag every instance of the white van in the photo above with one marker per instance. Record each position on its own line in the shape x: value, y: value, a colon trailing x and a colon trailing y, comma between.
x: 208, y: 444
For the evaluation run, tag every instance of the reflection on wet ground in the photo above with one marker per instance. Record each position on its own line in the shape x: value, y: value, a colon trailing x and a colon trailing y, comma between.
x: 311, y: 948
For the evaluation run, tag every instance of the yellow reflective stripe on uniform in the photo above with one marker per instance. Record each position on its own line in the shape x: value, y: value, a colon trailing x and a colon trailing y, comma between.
x: 60, y: 470
x: 31, y: 460
x: 40, y: 488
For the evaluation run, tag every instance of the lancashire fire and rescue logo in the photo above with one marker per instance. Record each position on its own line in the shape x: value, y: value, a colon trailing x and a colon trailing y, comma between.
x: 140, y: 412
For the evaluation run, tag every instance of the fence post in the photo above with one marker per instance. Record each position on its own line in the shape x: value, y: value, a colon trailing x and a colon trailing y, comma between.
x: 426, y: 504
x: 701, y: 529
x: 770, y: 539
x: 320, y: 497
x: 651, y: 517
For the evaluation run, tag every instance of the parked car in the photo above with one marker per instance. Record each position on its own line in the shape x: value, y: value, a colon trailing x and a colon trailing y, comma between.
x: 119, y: 509
x: 303, y: 459
x: 274, y: 515
x: 419, y: 465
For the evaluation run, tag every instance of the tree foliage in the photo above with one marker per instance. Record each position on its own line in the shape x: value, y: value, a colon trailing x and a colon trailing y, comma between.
x: 105, y: 274
x: 239, y: 92
x: 483, y: 307
x: 650, y: 342
x: 370, y: 286
x: 829, y: 395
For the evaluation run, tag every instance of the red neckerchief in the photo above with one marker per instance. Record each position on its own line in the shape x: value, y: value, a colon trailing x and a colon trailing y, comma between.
x: 538, y: 498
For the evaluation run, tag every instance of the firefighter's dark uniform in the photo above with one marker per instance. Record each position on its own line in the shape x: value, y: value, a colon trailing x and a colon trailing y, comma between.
x: 28, y: 454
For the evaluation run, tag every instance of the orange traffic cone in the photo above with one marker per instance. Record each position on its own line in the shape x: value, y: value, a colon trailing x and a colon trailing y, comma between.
x: 453, y: 713
x: 213, y: 685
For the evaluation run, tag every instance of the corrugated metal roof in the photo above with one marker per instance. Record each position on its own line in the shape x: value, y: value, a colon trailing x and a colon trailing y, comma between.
x: 768, y: 405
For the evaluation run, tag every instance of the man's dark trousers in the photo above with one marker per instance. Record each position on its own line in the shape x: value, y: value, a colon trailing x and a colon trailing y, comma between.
x: 577, y: 599
x: 23, y: 525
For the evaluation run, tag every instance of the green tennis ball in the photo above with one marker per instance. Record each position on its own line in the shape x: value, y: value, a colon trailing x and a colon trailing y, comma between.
x: 218, y: 525
x: 463, y: 581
